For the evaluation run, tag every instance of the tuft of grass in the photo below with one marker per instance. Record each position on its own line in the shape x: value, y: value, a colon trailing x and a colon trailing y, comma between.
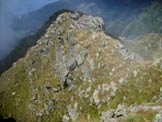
x: 142, y: 116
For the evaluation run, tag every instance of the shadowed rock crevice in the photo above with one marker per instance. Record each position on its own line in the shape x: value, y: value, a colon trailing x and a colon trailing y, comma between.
x: 7, y: 119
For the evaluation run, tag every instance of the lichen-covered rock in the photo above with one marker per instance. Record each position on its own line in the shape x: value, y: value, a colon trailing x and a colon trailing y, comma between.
x: 72, y: 111
x: 113, y: 115
x: 81, y: 57
x: 96, y: 97
x: 65, y: 118
x: 158, y: 117
x: 86, y: 72
x: 160, y: 95
x: 71, y: 64
x: 108, y: 116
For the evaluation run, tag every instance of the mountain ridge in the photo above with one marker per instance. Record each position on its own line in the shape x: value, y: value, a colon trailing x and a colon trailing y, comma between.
x: 29, y: 41
x: 77, y: 73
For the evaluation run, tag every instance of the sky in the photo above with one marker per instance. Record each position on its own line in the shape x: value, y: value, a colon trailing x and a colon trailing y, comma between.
x: 9, y: 9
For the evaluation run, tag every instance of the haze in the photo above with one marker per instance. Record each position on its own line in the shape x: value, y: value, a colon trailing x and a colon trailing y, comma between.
x: 9, y: 10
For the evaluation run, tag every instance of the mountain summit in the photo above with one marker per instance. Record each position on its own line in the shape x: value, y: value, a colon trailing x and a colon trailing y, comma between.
x: 78, y: 73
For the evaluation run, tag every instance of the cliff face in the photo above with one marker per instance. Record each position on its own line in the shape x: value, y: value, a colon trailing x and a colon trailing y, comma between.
x: 77, y: 73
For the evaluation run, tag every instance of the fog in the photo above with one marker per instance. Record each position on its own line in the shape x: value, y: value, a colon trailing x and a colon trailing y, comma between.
x: 9, y: 11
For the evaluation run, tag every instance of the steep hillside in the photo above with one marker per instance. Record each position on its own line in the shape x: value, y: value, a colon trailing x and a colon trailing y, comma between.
x: 152, y: 45
x: 145, y: 22
x: 77, y: 73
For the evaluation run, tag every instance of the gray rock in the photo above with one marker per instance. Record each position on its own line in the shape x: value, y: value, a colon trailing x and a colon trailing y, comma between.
x: 30, y: 75
x: 46, y: 35
x: 47, y: 42
x: 72, y: 111
x: 70, y: 37
x: 104, y: 44
x: 58, y: 31
x: 65, y: 118
x: 60, y: 39
x: 115, y: 115
x: 100, y: 21
x: 122, y: 80
x: 44, y: 41
x: 44, y: 51
x: 108, y: 115
x: 47, y: 85
x: 55, y: 90
x: 100, y: 65
x: 81, y: 57
x: 86, y: 72
x: 135, y: 73
x: 71, y: 26
x: 92, y: 64
x: 50, y: 105
x: 125, y: 52
x: 160, y: 96
x: 32, y: 107
x: 71, y: 64
x: 121, y: 111
x: 59, y: 54
x: 50, y: 43
x: 89, y: 22
x: 75, y: 16
x: 59, y: 19
x: 39, y: 114
x: 158, y: 117
x: 73, y: 51
x: 35, y: 97
x: 30, y: 64
x: 65, y: 64
x: 62, y: 73
x: 69, y: 82
x: 13, y: 93
x: 95, y: 97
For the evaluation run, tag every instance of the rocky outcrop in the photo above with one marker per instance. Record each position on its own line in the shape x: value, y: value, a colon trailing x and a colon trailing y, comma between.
x: 73, y: 57
x: 117, y: 115
x: 158, y: 117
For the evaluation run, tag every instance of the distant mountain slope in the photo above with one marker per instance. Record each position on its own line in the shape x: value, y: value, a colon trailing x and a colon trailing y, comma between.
x: 149, y: 20
x: 121, y: 17
x: 151, y: 45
